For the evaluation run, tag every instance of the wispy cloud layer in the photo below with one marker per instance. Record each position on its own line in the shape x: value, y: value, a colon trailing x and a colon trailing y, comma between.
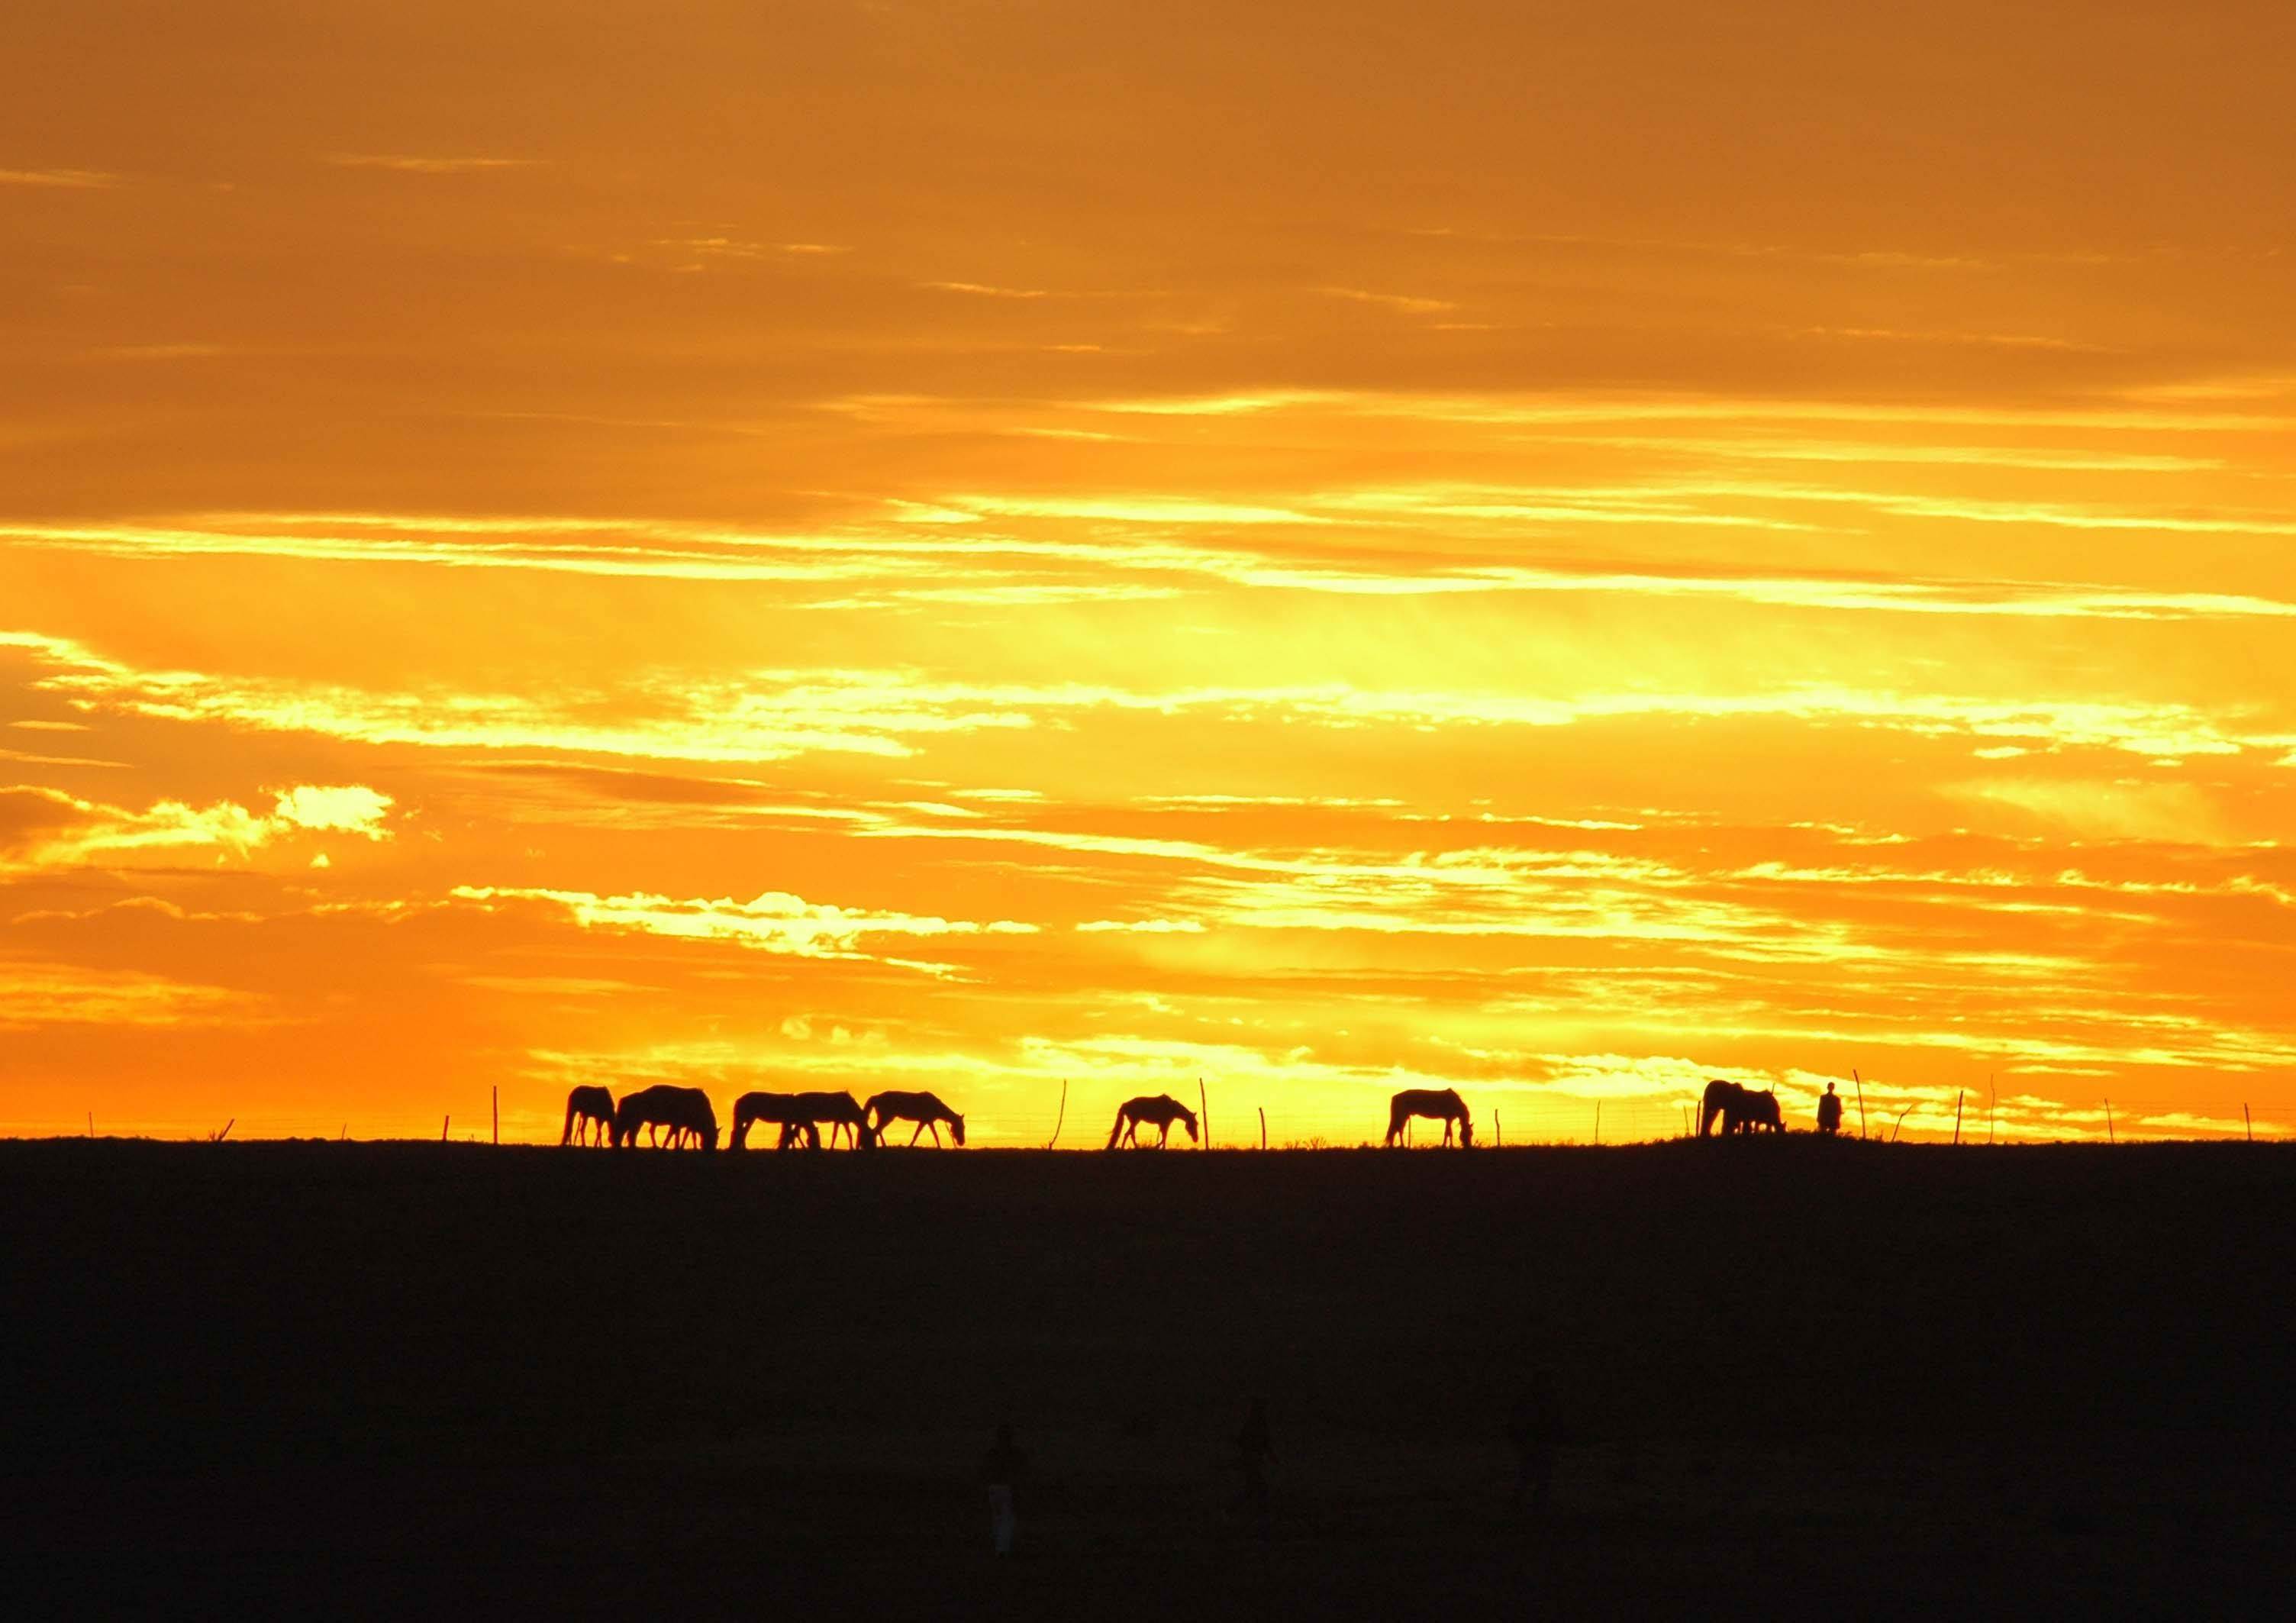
x: 415, y: 164
x: 70, y: 180
x: 771, y: 565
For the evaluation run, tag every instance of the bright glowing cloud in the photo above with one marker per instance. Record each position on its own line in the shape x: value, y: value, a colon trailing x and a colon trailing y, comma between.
x: 489, y: 599
x: 776, y: 921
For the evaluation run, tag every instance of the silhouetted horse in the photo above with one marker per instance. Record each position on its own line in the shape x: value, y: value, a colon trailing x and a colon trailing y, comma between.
x: 1160, y: 1112
x: 588, y: 1109
x: 835, y: 1111
x: 1740, y: 1110
x: 1444, y: 1106
x: 786, y: 1110
x: 682, y: 1110
x: 923, y: 1109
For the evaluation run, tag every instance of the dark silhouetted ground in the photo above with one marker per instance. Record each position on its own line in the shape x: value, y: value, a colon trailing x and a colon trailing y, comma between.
x: 1795, y: 1377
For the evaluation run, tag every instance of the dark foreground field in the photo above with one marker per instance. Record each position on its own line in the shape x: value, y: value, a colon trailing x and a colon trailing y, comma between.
x: 1797, y: 1378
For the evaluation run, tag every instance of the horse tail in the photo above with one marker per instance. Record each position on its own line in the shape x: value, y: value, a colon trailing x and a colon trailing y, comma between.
x: 566, y: 1133
x: 1116, y: 1131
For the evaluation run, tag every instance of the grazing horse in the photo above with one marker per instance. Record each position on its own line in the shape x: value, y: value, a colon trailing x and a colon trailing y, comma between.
x: 835, y: 1111
x: 786, y: 1110
x: 1160, y: 1112
x: 923, y: 1109
x: 589, y: 1116
x: 1446, y: 1107
x: 1761, y: 1112
x: 683, y: 1110
x: 1725, y: 1102
x: 1740, y: 1110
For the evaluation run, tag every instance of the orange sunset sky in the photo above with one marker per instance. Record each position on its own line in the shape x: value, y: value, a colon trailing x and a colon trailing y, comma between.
x: 1555, y: 550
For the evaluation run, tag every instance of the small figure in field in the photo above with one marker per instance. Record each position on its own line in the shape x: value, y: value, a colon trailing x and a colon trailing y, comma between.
x: 1255, y: 1451
x: 1829, y: 1113
x: 1001, y: 1471
x: 1159, y: 1112
x: 1532, y: 1432
x: 1444, y: 1106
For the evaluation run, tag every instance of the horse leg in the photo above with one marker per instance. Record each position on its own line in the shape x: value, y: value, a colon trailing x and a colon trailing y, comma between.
x: 917, y: 1133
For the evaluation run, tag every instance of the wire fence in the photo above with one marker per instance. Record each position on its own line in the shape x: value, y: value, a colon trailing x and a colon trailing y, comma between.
x: 1009, y: 1116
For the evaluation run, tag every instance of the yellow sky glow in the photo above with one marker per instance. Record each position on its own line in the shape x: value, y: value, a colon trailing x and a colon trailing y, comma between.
x: 976, y: 544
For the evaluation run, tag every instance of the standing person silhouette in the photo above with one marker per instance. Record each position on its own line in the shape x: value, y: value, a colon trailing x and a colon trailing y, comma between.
x: 1001, y: 1469
x: 1255, y: 1449
x: 1829, y: 1113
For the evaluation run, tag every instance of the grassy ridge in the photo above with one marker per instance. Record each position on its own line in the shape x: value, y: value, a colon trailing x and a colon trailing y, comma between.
x: 348, y: 1343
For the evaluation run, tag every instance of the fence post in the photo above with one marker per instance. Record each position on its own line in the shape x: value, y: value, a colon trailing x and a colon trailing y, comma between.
x: 1957, y: 1114
x: 1854, y: 1077
x: 1063, y: 1115
x: 497, y: 1091
x: 444, y: 1122
x: 2251, y: 1120
x: 1263, y: 1126
x: 2111, y: 1137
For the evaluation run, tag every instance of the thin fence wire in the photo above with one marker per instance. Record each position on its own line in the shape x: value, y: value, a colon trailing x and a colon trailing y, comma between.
x: 997, y: 1119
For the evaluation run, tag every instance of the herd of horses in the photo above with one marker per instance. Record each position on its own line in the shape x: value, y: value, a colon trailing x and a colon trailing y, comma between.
x: 1738, y: 1110
x: 683, y: 1117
